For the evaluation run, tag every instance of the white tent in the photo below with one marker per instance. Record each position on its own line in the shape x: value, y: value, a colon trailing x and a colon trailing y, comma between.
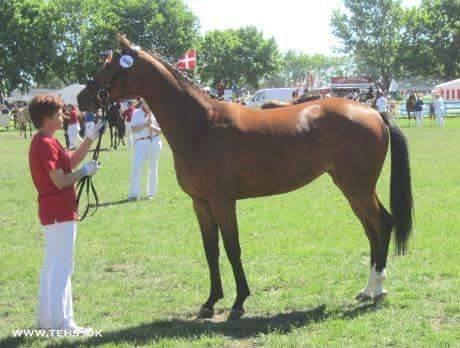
x: 449, y: 90
x: 69, y: 93
x: 27, y: 96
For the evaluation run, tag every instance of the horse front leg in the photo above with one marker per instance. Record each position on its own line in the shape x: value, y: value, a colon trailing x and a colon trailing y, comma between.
x: 210, y: 235
x: 111, y: 136
x: 225, y: 212
x: 115, y: 146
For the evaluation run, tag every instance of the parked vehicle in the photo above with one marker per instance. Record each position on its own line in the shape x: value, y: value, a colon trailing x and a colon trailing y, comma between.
x: 264, y: 95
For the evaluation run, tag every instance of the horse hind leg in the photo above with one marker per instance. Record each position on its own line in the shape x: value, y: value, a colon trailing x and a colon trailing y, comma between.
x: 377, y: 224
x: 367, y: 293
x: 382, y: 223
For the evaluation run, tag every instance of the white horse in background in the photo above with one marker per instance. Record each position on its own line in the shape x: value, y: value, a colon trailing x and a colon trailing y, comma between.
x: 23, y: 119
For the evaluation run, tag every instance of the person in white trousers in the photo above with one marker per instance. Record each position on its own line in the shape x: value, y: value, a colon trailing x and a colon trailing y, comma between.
x: 147, y: 148
x: 127, y: 115
x: 74, y: 129
x: 418, y: 108
x: 51, y: 169
x: 439, y: 110
x: 381, y: 103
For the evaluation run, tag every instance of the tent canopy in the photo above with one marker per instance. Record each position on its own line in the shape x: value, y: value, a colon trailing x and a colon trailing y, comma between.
x: 449, y: 84
x: 69, y: 93
x: 449, y: 90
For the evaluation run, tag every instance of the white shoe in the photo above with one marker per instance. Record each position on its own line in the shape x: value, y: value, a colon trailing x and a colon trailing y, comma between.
x: 80, y: 331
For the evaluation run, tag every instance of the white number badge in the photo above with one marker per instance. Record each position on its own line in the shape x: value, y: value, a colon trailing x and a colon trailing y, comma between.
x: 126, y: 61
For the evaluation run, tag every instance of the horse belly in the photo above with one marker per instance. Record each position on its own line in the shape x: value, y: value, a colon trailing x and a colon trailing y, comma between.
x: 261, y: 178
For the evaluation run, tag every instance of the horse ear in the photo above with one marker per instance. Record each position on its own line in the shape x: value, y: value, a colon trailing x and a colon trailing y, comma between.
x: 123, y: 41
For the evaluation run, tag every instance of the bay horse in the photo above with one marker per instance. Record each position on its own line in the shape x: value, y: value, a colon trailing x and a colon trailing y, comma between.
x: 224, y: 152
x: 116, y: 125
x: 410, y: 105
x: 273, y: 104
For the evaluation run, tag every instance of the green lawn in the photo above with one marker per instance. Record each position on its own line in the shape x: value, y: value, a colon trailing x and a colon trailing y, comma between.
x: 141, y: 273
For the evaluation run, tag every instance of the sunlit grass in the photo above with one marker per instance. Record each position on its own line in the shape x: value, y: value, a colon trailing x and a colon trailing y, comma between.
x: 141, y: 273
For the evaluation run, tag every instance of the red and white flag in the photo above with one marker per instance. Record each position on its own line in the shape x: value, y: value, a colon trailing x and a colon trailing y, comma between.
x: 187, y: 61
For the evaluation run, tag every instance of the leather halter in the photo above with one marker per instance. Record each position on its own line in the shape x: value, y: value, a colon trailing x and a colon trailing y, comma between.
x: 102, y: 92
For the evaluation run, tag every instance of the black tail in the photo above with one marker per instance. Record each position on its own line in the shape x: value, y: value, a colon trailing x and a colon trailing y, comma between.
x: 400, y: 186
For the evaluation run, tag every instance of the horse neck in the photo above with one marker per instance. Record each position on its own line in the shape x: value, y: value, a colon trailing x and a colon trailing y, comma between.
x: 180, y: 113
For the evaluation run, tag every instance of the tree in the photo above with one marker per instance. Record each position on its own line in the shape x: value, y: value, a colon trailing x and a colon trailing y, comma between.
x: 90, y: 26
x: 296, y: 65
x: 431, y: 39
x: 44, y: 41
x: 242, y: 55
x: 22, y: 32
x: 371, y: 33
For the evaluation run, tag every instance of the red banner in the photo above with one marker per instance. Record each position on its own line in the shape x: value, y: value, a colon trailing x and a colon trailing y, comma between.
x: 365, y: 79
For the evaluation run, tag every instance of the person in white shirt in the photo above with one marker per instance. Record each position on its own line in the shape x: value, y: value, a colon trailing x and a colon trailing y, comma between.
x: 439, y: 110
x: 147, y: 146
x: 381, y: 103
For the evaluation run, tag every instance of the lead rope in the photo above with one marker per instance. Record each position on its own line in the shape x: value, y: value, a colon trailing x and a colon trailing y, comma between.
x: 87, y: 181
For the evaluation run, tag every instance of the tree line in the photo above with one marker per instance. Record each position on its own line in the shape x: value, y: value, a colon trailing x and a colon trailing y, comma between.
x: 58, y: 42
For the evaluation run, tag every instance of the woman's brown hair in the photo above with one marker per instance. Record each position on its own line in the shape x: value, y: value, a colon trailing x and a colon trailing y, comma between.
x: 44, y: 106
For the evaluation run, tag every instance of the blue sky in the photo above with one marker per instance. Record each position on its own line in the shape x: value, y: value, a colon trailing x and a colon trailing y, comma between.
x: 302, y: 25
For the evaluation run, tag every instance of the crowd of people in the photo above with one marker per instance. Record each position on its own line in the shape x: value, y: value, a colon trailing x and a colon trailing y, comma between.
x: 415, y: 104
x: 142, y: 132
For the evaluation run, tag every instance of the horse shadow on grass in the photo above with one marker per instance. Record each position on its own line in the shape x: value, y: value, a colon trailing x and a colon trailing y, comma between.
x: 179, y: 328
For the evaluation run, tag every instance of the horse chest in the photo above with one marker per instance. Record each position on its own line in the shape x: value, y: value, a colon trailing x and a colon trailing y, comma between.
x: 188, y: 179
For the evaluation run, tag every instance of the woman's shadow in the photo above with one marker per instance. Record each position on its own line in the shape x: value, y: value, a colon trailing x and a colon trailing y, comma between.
x: 244, y: 328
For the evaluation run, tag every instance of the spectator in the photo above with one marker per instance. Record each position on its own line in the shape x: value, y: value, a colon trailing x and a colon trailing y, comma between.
x: 89, y: 121
x: 74, y: 128
x: 381, y: 103
x: 418, y: 109
x: 439, y: 110
x: 220, y: 89
x: 147, y: 147
x: 127, y: 115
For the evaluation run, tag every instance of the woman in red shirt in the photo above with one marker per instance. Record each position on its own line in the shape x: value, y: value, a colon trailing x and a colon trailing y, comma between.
x: 51, y: 168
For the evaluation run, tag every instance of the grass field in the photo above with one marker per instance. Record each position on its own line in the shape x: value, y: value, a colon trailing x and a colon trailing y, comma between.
x: 141, y: 273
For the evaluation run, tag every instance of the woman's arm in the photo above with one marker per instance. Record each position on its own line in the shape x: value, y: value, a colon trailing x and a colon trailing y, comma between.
x: 79, y: 154
x: 62, y: 180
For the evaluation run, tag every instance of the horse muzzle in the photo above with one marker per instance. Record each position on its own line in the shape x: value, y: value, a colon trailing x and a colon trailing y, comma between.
x: 86, y: 101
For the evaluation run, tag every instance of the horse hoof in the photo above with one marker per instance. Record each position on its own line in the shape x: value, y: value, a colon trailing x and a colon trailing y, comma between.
x: 380, y: 297
x: 363, y: 297
x: 205, y: 313
x: 235, y: 314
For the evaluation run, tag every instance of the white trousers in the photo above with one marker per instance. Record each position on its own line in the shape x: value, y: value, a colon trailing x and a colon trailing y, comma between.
x: 145, y: 151
x: 72, y: 131
x: 419, y: 117
x: 440, y: 119
x: 55, y: 310
x: 129, y: 135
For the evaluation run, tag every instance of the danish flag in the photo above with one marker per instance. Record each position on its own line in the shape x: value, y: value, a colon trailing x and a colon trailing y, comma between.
x: 187, y: 61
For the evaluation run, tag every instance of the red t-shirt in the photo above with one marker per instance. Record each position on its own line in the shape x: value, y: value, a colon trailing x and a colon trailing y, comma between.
x: 128, y: 114
x: 73, y: 116
x: 54, y: 205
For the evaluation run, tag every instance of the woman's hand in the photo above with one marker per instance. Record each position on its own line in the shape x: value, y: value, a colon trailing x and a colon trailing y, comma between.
x: 95, y: 133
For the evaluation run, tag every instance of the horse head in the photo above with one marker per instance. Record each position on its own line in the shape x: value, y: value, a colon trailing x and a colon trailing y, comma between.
x: 120, y: 77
